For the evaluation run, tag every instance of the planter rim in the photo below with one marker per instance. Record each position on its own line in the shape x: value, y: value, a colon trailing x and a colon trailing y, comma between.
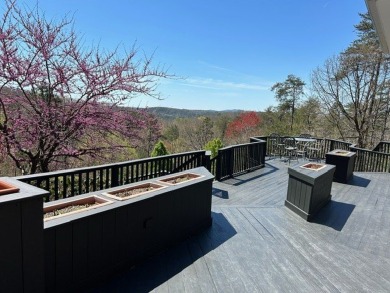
x: 176, y: 175
x: 7, y: 188
x: 51, y: 206
x: 341, y: 153
x: 26, y: 191
x: 111, y: 194
x: 307, y: 166
x: 310, y: 175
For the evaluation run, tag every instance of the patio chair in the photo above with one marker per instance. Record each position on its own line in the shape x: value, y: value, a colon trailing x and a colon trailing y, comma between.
x: 290, y: 147
x: 273, y: 140
x: 314, y: 150
x: 302, y: 149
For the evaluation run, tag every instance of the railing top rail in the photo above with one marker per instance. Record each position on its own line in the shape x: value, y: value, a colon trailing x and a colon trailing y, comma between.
x: 242, y: 145
x: 335, y: 140
x: 105, y: 166
x: 354, y: 147
x: 381, y: 143
x: 258, y: 138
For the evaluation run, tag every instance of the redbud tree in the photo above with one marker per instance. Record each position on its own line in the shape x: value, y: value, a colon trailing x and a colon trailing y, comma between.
x: 60, y: 99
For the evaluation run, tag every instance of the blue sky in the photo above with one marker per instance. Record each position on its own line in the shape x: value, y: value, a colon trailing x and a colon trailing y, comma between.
x: 229, y: 52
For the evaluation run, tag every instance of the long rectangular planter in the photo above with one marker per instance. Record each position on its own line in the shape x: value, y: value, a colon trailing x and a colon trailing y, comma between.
x: 309, y: 189
x: 86, y: 247
x: 344, y: 162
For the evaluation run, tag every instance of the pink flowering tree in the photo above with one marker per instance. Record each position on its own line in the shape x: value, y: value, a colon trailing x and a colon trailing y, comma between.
x: 59, y: 99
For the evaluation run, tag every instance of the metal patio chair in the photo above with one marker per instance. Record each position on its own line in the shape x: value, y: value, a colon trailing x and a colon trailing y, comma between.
x: 290, y: 147
x: 273, y: 139
x: 302, y: 149
x: 314, y: 150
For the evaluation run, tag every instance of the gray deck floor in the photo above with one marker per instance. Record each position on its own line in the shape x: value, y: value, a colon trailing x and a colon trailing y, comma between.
x: 256, y: 244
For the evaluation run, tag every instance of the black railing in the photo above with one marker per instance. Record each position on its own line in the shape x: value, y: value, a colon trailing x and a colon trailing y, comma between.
x: 383, y: 147
x: 376, y: 160
x: 326, y: 146
x: 371, y: 161
x: 366, y: 160
x: 237, y: 159
x: 230, y: 161
x: 67, y: 183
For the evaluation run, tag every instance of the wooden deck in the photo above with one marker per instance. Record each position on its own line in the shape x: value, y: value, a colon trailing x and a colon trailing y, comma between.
x: 256, y: 244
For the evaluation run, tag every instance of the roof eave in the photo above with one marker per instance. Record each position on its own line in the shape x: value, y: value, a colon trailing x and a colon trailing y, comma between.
x: 379, y: 11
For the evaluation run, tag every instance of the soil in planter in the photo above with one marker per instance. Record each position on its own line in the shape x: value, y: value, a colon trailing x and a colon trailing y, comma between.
x: 342, y: 153
x: 134, y: 191
x: 313, y: 166
x: 68, y: 209
x: 179, y: 179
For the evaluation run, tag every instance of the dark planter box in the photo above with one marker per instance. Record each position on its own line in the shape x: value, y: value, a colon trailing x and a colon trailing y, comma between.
x: 21, y: 244
x: 88, y: 247
x: 309, y: 190
x: 344, y: 162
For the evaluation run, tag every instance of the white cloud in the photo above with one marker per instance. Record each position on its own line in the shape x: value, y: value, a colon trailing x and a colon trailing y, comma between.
x: 224, y: 85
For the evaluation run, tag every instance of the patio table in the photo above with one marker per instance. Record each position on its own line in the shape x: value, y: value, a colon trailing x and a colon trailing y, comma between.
x: 304, y: 139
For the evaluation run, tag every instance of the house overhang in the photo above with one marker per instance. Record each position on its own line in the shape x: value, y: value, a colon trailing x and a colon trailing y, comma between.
x: 379, y: 11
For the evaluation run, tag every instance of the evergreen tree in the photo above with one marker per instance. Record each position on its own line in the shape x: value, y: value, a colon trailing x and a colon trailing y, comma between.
x: 159, y: 149
x: 288, y: 93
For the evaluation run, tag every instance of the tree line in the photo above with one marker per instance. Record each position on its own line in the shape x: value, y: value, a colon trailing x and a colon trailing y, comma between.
x: 348, y: 96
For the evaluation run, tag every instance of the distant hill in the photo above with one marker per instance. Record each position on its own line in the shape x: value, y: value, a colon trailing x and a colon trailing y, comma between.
x: 173, y: 113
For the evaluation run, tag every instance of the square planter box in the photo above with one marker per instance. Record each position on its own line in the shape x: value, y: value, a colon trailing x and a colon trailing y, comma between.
x: 21, y: 245
x: 344, y: 162
x: 6, y: 188
x: 75, y: 205
x: 309, y: 188
x: 133, y: 191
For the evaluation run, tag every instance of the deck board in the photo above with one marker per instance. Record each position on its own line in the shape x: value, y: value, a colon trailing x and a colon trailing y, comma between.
x: 256, y: 244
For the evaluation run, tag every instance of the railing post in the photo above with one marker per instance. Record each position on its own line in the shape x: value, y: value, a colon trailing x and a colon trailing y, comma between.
x: 231, y: 162
x: 331, y: 145
x: 263, y: 150
x: 115, y: 176
x: 218, y: 166
x: 207, y: 160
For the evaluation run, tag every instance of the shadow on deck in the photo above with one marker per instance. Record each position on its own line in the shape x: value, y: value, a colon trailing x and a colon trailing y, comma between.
x: 256, y: 244
x: 334, y: 215
x: 154, y: 272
